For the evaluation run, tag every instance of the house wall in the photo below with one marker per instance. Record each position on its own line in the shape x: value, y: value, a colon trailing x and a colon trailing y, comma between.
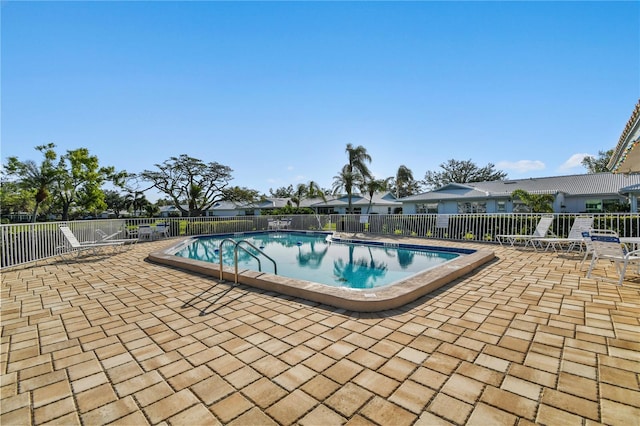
x: 562, y: 204
x: 225, y: 213
x: 409, y: 208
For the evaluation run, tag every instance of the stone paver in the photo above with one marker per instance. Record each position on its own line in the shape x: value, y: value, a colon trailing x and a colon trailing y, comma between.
x: 107, y: 340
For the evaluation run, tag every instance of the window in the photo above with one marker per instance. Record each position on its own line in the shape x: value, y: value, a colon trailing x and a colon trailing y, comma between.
x: 520, y: 207
x: 326, y: 210
x: 427, y: 208
x: 472, y: 207
x: 594, y: 206
x: 501, y: 206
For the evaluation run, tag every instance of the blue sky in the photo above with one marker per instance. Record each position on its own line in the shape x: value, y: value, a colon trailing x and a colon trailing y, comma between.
x: 276, y: 90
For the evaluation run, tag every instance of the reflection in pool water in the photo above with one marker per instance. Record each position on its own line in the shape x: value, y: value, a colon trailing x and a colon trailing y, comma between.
x: 313, y: 258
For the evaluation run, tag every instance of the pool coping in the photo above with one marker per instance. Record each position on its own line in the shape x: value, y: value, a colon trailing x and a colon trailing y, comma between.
x: 358, y: 300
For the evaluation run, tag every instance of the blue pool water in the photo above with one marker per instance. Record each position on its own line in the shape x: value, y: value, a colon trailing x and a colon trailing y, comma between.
x: 310, y: 257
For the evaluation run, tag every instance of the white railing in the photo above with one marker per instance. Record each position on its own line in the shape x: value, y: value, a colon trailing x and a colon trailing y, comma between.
x: 25, y: 243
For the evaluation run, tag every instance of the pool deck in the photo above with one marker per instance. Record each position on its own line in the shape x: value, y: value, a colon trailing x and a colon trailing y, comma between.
x: 525, y: 339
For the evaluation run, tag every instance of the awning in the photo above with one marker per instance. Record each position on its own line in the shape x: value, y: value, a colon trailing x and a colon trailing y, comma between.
x: 626, y: 156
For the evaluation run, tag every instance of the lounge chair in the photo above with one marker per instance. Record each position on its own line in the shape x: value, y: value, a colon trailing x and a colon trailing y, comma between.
x: 580, y: 224
x: 73, y: 245
x: 104, y: 238
x: 542, y: 229
x: 608, y: 247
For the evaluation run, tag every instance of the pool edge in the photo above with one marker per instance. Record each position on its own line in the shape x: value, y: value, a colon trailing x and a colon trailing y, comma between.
x: 374, y: 300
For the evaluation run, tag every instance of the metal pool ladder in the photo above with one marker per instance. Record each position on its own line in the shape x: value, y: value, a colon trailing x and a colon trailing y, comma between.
x: 236, y: 247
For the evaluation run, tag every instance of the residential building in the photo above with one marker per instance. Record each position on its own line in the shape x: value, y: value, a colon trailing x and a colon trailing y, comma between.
x: 381, y: 203
x: 586, y: 193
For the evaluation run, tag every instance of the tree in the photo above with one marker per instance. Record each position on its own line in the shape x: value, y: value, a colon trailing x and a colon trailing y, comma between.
x: 14, y: 199
x: 345, y: 180
x: 404, y: 185
x: 282, y: 192
x: 538, y: 203
x: 455, y: 171
x: 597, y: 165
x: 136, y: 202
x: 35, y: 177
x: 372, y: 186
x: 199, y: 185
x: 356, y: 168
x: 80, y: 179
x: 311, y: 190
x: 115, y: 201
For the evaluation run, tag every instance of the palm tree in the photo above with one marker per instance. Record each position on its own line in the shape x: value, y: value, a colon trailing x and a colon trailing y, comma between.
x: 345, y: 180
x: 36, y: 177
x: 358, y: 157
x: 299, y: 194
x: 136, y: 201
x: 404, y: 179
x: 310, y: 190
x: 195, y: 192
x: 372, y: 186
x: 538, y: 203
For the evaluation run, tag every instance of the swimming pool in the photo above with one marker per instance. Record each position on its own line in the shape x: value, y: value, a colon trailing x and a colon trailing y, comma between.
x: 317, y: 258
x: 356, y: 274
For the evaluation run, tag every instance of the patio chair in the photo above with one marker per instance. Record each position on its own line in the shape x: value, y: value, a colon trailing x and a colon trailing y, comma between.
x: 162, y: 230
x: 145, y: 233
x: 73, y: 245
x: 580, y: 224
x: 542, y: 230
x: 608, y: 247
x: 586, y: 237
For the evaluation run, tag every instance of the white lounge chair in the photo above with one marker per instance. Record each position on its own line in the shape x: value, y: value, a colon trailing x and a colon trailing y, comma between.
x: 608, y: 247
x: 75, y: 246
x: 104, y: 238
x: 580, y: 224
x: 542, y: 229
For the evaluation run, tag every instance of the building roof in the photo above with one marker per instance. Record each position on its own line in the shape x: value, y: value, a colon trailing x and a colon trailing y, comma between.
x: 626, y: 155
x: 572, y: 185
x: 379, y: 199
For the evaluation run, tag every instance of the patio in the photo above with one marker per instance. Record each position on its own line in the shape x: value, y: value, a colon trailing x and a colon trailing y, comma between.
x: 527, y: 338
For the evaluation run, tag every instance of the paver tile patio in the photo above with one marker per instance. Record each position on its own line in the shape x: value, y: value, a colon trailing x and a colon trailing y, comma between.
x: 524, y: 339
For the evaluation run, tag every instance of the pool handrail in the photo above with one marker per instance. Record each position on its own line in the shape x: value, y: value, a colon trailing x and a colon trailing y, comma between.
x: 235, y: 257
x: 237, y: 246
x: 220, y: 254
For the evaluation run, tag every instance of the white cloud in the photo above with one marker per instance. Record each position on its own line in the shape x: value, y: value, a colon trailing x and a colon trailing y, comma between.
x: 574, y: 161
x: 521, y: 166
x: 289, y: 168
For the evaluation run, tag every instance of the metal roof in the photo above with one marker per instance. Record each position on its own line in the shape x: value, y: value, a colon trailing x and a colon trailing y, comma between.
x: 379, y: 199
x: 572, y: 185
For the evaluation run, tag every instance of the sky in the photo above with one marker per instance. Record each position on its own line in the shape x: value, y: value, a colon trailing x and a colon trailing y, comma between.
x: 276, y: 90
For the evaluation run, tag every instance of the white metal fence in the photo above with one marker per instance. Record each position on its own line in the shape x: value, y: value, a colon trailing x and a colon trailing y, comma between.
x: 25, y: 243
